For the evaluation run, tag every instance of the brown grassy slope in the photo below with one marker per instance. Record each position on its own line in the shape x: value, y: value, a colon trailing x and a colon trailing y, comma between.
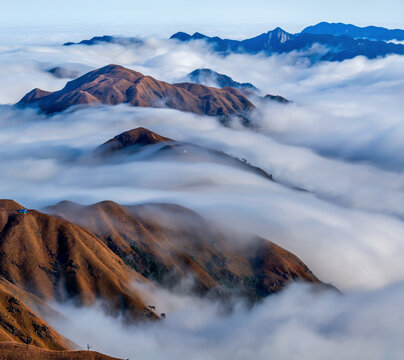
x: 164, y: 242
x: 14, y: 351
x: 19, y: 323
x: 57, y: 260
x: 114, y: 84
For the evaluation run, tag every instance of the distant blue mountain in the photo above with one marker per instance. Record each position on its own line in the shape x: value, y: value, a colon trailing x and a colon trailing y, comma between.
x: 209, y: 77
x: 356, y: 32
x: 269, y: 42
x: 278, y: 41
x: 107, y: 39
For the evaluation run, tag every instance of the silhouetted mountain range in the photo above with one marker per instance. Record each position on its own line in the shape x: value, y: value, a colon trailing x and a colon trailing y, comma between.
x: 209, y: 77
x: 356, y: 32
x: 335, y: 48
x: 340, y: 41
x: 107, y: 39
x: 268, y: 42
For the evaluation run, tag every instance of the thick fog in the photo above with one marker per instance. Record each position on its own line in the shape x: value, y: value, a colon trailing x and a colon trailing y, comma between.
x: 341, y: 140
x: 295, y: 324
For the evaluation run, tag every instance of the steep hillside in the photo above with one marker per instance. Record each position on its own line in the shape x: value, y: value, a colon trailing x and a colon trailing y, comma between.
x: 57, y: 260
x: 19, y: 323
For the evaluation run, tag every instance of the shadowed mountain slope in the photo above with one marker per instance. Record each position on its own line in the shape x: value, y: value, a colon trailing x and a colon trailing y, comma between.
x: 166, y: 242
x: 58, y: 261
x: 115, y: 84
x: 19, y: 323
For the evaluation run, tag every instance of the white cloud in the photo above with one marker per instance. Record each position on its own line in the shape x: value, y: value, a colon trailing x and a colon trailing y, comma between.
x: 296, y: 324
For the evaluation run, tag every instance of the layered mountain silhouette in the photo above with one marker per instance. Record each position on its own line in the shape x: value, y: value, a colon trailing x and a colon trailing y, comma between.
x: 107, y: 39
x: 114, y: 84
x: 334, y: 48
x: 356, y: 32
x: 268, y: 42
x: 138, y: 141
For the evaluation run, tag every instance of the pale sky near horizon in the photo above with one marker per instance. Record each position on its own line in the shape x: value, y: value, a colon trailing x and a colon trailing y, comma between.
x: 292, y: 15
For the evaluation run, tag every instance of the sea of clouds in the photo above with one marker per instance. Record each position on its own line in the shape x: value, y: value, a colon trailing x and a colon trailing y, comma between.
x: 341, y: 139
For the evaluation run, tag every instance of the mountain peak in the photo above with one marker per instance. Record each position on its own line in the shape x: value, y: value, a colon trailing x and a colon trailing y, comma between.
x: 278, y: 35
x: 134, y: 138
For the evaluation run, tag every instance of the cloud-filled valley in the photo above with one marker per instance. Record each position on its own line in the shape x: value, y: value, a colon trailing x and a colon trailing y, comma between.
x: 340, y: 141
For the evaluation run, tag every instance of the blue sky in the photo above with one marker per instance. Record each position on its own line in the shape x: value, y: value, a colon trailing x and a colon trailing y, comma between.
x: 291, y: 15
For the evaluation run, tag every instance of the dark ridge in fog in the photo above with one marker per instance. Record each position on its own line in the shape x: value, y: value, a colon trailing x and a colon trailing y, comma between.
x: 125, y: 41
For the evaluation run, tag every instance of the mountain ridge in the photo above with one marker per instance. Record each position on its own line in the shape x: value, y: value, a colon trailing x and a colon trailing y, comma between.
x: 114, y: 84
x: 139, y: 139
x: 278, y: 41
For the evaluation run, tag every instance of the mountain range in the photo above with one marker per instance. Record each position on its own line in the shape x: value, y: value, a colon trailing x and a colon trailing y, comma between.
x: 125, y: 41
x: 278, y: 41
x: 339, y: 42
x: 107, y: 253
x: 356, y: 32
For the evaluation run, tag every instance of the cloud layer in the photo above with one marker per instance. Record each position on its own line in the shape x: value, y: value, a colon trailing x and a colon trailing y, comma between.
x: 296, y: 324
